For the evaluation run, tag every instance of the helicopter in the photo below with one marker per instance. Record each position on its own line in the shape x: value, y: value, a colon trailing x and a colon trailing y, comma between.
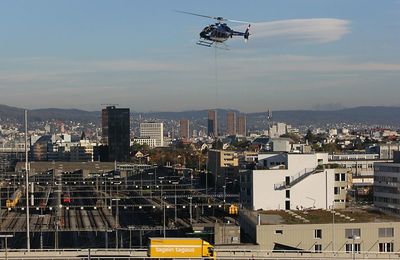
x: 219, y: 32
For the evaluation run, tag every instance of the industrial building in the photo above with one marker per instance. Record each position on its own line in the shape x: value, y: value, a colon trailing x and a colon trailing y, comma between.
x: 333, y: 231
x: 386, y: 183
x: 361, y: 166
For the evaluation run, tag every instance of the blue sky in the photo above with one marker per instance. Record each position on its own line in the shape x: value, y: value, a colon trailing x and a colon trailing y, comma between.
x: 142, y: 54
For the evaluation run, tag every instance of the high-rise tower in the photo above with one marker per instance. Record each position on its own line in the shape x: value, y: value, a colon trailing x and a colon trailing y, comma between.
x: 184, y: 129
x: 231, y: 123
x: 241, y: 125
x: 115, y: 124
x: 212, y: 123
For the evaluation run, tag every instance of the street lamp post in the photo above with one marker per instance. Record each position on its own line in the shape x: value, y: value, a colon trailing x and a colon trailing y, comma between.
x: 106, y: 237
x: 161, y: 178
x: 190, y: 210
x: 176, y: 217
x: 130, y: 235
x: 191, y: 180
x: 224, y: 194
x: 116, y: 215
x: 155, y: 176
x: 151, y: 194
x: 164, y: 218
x: 206, y: 182
x: 105, y: 192
x: 116, y: 222
x: 28, y: 239
x: 333, y: 226
x: 41, y: 227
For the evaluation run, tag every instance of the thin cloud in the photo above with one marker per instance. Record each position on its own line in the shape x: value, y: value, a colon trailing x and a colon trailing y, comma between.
x: 315, y: 30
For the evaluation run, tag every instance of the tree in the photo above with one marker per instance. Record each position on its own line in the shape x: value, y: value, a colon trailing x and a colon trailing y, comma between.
x: 310, y: 137
x: 217, y: 144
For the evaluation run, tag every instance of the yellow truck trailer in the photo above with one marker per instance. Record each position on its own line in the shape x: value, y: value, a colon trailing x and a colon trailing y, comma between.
x: 180, y: 248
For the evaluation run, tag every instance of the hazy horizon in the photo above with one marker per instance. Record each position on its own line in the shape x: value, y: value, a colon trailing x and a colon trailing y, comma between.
x: 322, y: 108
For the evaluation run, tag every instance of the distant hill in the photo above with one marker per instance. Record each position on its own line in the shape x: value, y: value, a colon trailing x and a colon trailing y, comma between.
x: 38, y: 115
x: 366, y: 115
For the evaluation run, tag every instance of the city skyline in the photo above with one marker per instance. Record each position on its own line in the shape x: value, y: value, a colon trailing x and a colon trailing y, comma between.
x: 300, y: 55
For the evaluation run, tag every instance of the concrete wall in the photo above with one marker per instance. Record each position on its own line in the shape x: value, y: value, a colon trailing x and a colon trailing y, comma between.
x: 316, y: 190
x: 225, y: 234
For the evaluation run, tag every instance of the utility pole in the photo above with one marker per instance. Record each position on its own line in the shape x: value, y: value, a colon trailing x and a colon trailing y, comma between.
x: 164, y: 219
x: 28, y: 240
x: 190, y: 210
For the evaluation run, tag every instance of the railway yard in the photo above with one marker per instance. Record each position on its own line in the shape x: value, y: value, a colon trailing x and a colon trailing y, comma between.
x: 68, y: 209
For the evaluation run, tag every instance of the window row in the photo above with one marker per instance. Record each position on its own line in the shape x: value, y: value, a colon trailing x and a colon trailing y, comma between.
x: 387, y: 179
x: 355, y: 233
x: 356, y: 247
x: 340, y: 176
x: 392, y: 190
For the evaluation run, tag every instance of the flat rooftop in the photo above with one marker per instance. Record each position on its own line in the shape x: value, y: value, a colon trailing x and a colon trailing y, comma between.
x: 319, y: 216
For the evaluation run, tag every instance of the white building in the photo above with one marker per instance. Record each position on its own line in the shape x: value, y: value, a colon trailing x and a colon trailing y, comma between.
x: 153, y: 130
x: 151, y: 142
x: 293, y: 181
x: 278, y: 129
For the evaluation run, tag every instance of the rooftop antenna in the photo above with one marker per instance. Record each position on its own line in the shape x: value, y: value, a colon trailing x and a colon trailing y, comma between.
x: 269, y: 121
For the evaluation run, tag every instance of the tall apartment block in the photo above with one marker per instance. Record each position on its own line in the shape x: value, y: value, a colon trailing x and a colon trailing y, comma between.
x: 231, y: 123
x: 184, y: 129
x: 241, y: 125
x: 154, y: 131
x: 212, y: 123
x: 115, y: 123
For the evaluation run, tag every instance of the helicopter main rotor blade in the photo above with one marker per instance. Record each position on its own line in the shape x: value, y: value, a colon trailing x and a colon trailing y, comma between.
x: 201, y: 15
x: 218, y: 18
x: 237, y: 21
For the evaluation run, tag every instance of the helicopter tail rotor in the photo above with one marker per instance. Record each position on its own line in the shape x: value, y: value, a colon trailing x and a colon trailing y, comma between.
x: 247, y: 33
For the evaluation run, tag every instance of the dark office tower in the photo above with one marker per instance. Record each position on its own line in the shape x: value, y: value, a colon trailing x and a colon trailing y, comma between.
x: 116, y: 133
x: 212, y: 123
x: 231, y: 123
x: 184, y: 129
x: 241, y: 125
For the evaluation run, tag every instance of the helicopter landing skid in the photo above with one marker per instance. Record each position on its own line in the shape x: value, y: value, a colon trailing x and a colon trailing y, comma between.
x: 222, y: 46
x: 205, y: 43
